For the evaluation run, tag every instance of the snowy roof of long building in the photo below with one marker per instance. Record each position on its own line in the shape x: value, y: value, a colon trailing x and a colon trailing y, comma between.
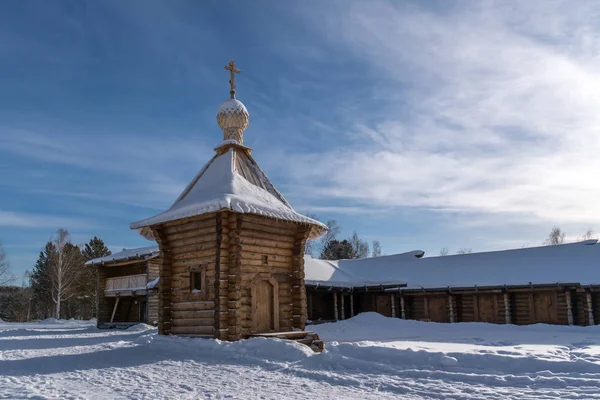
x: 231, y: 180
x: 546, y: 265
x: 127, y: 254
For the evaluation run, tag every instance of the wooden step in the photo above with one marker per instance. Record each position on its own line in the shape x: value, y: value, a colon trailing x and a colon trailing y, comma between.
x: 309, y: 339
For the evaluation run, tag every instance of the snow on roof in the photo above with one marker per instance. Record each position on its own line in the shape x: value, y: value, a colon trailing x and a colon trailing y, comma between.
x: 546, y: 265
x: 231, y: 181
x: 127, y: 254
x: 354, y: 273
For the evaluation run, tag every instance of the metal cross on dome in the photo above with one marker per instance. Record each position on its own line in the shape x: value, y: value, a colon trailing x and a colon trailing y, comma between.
x: 232, y: 70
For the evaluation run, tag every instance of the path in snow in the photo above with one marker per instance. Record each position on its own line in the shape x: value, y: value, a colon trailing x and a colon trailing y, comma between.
x: 369, y: 356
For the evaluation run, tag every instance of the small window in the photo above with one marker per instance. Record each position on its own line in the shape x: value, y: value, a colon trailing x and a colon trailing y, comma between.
x: 197, y: 279
x: 265, y: 260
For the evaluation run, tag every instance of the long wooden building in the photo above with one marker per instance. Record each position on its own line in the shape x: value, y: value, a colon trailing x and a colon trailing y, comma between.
x: 549, y: 284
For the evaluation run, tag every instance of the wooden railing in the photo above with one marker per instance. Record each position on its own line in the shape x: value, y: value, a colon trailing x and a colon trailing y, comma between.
x: 129, y: 282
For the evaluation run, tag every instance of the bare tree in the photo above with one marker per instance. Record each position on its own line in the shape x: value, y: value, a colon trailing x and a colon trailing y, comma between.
x: 463, y: 250
x: 64, y: 268
x: 361, y: 247
x: 444, y: 251
x: 589, y: 234
x: 6, y: 276
x: 376, y: 249
x: 555, y: 237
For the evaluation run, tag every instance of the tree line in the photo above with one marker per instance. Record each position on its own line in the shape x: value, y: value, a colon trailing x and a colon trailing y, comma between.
x: 60, y: 285
x: 329, y: 247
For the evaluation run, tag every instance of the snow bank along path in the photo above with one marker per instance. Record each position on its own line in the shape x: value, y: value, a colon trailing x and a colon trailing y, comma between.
x: 366, y: 357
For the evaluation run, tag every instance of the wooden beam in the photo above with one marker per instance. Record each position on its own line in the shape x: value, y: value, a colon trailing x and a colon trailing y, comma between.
x: 393, y: 300
x: 335, y: 306
x: 342, y: 314
x: 590, y: 308
x: 351, y: 305
x: 112, y: 317
x: 507, y: 308
x: 451, y: 307
x: 402, y: 310
x: 569, y: 307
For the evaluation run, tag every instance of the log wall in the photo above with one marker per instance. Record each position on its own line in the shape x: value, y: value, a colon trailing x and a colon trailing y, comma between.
x: 186, y: 245
x: 279, y: 242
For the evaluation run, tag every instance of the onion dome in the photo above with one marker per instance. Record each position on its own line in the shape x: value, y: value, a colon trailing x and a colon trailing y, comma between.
x: 233, y: 119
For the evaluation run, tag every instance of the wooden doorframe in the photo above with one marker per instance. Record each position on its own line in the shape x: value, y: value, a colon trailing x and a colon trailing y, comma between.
x: 253, y: 295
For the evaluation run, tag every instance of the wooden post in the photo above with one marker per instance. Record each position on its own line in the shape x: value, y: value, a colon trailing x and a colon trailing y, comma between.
x: 112, y: 317
x: 569, y: 308
x: 451, y: 306
x: 335, y: 307
x: 506, y: 308
x: 351, y: 305
x: 590, y: 308
x: 393, y: 300
x: 426, y: 305
x: 342, y: 304
x: 402, y: 311
x: 309, y: 312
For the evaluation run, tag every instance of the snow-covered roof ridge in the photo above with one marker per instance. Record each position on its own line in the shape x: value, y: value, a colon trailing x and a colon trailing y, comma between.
x: 231, y: 180
x: 127, y: 254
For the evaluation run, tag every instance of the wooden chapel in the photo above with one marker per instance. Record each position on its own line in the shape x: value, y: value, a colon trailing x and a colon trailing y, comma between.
x: 231, y: 246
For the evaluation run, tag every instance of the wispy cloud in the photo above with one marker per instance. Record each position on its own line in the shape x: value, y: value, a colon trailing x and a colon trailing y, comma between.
x: 488, y: 109
x: 14, y: 219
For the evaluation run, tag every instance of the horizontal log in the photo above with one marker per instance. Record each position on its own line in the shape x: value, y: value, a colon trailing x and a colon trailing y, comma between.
x: 253, y: 233
x: 200, y: 255
x: 192, y: 322
x: 254, y: 241
x: 188, y: 223
x: 192, y: 314
x: 205, y: 240
x: 251, y: 219
x: 208, y: 230
x: 268, y: 229
x: 247, y: 254
x: 192, y: 330
x: 266, y: 250
x: 192, y: 248
x: 185, y: 305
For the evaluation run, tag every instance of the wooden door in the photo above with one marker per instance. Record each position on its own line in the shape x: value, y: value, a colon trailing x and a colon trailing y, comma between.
x: 486, y: 307
x: 383, y: 304
x: 262, y: 312
x: 544, y: 308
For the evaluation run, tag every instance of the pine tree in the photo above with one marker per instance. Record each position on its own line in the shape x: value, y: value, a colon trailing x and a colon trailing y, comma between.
x: 87, y: 285
x: 336, y: 250
x: 41, y: 285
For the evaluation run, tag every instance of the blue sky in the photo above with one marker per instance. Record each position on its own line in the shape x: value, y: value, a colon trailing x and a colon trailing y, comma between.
x: 419, y: 124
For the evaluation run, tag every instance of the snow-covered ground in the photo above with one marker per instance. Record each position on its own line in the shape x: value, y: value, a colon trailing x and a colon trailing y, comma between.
x: 367, y: 357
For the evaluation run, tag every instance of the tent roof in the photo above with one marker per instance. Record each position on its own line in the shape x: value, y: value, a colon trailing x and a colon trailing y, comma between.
x: 231, y: 180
